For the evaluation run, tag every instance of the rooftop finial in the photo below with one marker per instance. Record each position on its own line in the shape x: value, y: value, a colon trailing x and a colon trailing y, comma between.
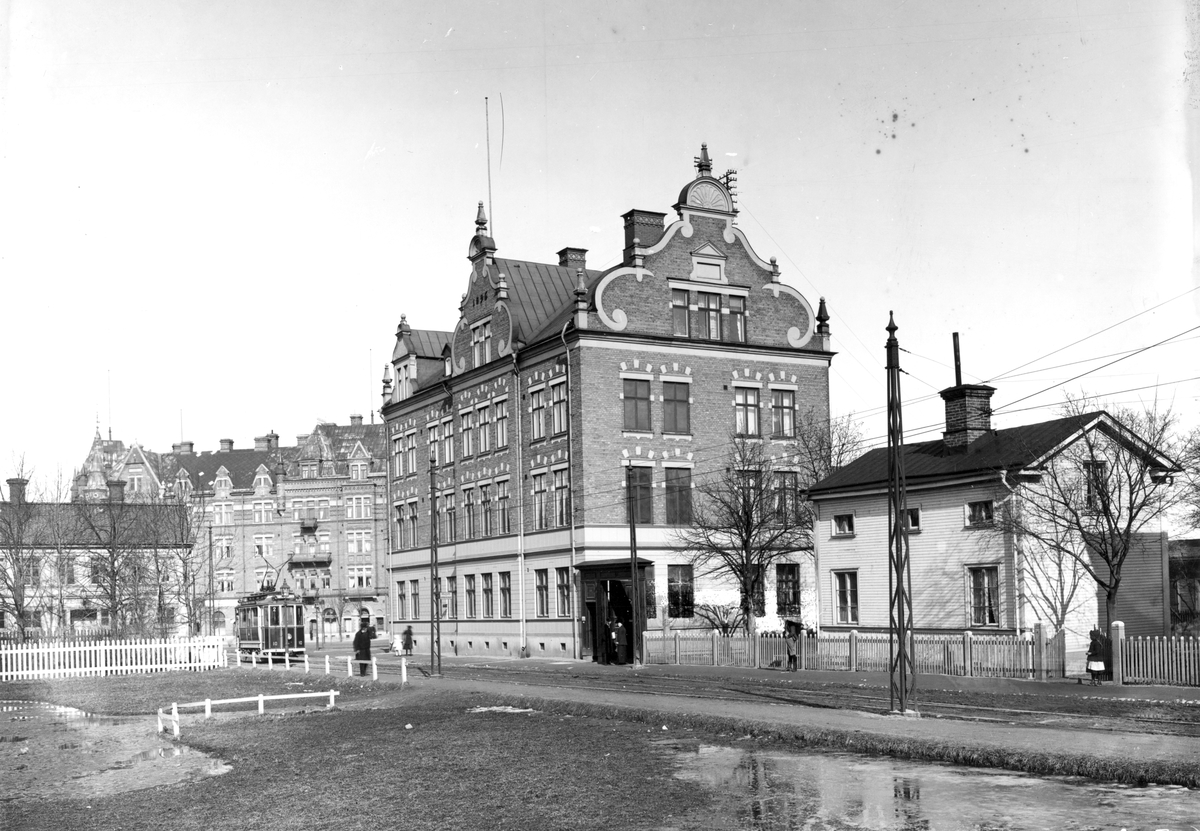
x: 481, y: 221
x: 703, y: 163
x: 822, y: 318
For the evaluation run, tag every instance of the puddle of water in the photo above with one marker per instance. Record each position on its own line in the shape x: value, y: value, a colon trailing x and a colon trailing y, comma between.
x: 781, y: 791
x: 49, y: 713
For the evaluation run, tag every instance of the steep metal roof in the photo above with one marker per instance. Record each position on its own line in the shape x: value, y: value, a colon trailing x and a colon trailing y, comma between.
x: 429, y: 343
x: 540, y: 294
x: 1010, y: 450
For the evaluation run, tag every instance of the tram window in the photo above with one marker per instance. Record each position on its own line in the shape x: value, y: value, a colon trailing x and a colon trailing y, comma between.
x: 274, y: 616
x: 288, y: 616
x: 254, y: 617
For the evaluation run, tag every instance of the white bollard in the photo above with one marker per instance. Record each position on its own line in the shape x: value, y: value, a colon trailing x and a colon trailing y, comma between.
x: 270, y: 661
x: 160, y: 718
x: 208, y: 708
x: 326, y: 664
x: 261, y: 708
x: 374, y: 669
x: 403, y: 671
x: 307, y: 668
x: 287, y: 660
x: 349, y: 666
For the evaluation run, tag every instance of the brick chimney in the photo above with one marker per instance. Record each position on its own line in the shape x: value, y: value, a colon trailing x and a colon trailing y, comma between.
x: 226, y: 445
x: 16, y: 491
x: 644, y: 226
x: 573, y: 258
x: 356, y: 420
x: 116, y: 490
x: 968, y: 413
x: 185, y: 448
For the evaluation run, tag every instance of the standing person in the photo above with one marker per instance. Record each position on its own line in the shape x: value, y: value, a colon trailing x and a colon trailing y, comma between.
x: 407, y: 640
x: 790, y: 637
x: 1095, y: 657
x: 620, y: 640
x: 362, y: 646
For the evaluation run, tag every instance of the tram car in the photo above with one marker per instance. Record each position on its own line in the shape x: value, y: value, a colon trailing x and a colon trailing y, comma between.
x: 271, y: 623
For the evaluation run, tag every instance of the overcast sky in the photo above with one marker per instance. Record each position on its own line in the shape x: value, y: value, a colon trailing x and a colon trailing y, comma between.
x: 212, y: 214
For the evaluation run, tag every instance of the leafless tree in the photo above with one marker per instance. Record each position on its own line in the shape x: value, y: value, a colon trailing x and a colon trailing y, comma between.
x: 823, y: 445
x: 1092, y: 499
x: 749, y: 518
x: 23, y: 583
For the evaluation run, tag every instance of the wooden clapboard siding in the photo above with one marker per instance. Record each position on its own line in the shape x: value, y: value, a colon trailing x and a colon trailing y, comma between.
x: 1143, y: 602
x: 940, y: 555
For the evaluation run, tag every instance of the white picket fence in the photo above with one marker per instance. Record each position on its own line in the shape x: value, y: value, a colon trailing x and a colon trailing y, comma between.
x: 68, y: 659
x: 1174, y: 660
x: 996, y: 656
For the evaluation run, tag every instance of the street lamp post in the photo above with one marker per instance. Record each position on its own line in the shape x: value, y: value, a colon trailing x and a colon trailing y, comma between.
x: 435, y: 600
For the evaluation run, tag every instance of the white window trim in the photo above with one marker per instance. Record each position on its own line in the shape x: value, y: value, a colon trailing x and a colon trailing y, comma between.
x: 667, y: 463
x: 833, y: 532
x: 676, y: 379
x: 746, y: 382
x: 637, y: 463
x: 775, y: 385
x: 635, y: 375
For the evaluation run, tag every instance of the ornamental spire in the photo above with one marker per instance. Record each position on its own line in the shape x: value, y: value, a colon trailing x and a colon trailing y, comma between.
x: 703, y: 163
x: 481, y: 221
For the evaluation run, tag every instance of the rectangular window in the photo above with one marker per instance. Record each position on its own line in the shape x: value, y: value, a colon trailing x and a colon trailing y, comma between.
x: 745, y: 411
x: 468, y: 433
x: 263, y: 511
x: 679, y: 313
x: 487, y: 596
x: 481, y: 343
x: 677, y: 409
x: 401, y: 600
x: 558, y: 409
x: 225, y: 581
x: 222, y: 547
x: 264, y: 545
x: 737, y: 319
x: 541, y: 511
x: 503, y: 524
x: 483, y: 430
x: 471, y: 595
x: 412, y: 524
x: 502, y: 424
x: 469, y: 516
x: 980, y: 514
x: 448, y: 442
x: 450, y: 518
x: 398, y: 456
x: 358, y: 470
x: 542, y: 584
x: 783, y: 413
x: 358, y: 507
x: 410, y: 453
x: 679, y: 495
x: 414, y: 587
x: 985, y: 602
x: 434, y: 434
x: 843, y: 525
x: 562, y: 579
x: 845, y: 586
x: 359, y: 577
x: 787, y: 497
x: 680, y: 592
x: 486, y: 521
x: 637, y: 405
x: 710, y: 315
x: 537, y: 415
x: 639, y: 496
x: 358, y: 542
x: 562, y: 499
x: 223, y: 513
x: 452, y: 596
x: 505, y: 594
x: 787, y: 589
x: 914, y: 520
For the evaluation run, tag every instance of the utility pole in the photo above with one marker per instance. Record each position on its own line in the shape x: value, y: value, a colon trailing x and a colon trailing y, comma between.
x: 903, y: 671
x: 435, y: 599
x: 633, y: 575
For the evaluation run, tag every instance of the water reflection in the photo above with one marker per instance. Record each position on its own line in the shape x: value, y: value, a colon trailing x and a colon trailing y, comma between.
x: 780, y: 791
x: 50, y: 713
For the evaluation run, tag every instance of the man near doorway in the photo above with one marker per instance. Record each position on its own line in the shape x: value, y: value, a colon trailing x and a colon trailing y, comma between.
x: 362, y: 646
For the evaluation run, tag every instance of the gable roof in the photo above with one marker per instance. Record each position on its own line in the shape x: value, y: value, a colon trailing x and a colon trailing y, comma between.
x: 1009, y: 450
x: 428, y: 343
x: 242, y: 465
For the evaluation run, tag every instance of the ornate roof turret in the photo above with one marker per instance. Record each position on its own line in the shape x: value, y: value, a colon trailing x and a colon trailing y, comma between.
x: 703, y: 163
x: 481, y: 243
x: 706, y: 192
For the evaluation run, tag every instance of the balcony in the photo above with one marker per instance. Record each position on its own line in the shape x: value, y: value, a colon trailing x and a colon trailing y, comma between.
x: 308, y: 524
x: 311, y: 559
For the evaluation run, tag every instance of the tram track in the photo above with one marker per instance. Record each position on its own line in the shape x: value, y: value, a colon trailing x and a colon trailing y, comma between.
x: 1107, y: 714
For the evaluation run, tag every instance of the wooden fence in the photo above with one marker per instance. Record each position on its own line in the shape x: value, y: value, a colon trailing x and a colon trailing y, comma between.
x: 71, y: 659
x: 1173, y: 660
x: 971, y: 654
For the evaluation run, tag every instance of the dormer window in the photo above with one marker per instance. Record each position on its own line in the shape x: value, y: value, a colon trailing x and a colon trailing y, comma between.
x: 262, y: 482
x: 309, y: 470
x: 222, y: 483
x: 446, y: 368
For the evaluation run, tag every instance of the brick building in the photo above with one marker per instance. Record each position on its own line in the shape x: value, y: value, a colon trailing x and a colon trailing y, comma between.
x: 311, y: 515
x: 560, y: 388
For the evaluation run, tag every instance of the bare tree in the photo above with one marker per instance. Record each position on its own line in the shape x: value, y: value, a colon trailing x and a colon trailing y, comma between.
x: 750, y: 517
x: 1190, y: 479
x: 1091, y: 500
x: 23, y: 583
x: 1051, y: 577
x: 823, y: 445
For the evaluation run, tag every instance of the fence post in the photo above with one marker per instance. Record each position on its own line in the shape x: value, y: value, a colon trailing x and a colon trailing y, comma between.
x: 160, y: 718
x: 374, y: 669
x: 261, y: 708
x: 800, y: 648
x: 853, y: 650
x: 677, y: 649
x: 1118, y: 652
x: 1039, y: 651
x: 287, y: 661
x: 270, y: 661
x: 403, y: 671
x: 349, y: 665
x: 326, y: 664
x: 175, y: 719
x: 968, y: 657
x: 714, y: 647
x: 208, y: 708
x: 332, y: 693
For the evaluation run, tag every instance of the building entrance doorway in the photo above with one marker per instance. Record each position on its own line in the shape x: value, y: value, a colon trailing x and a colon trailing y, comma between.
x: 609, y: 607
